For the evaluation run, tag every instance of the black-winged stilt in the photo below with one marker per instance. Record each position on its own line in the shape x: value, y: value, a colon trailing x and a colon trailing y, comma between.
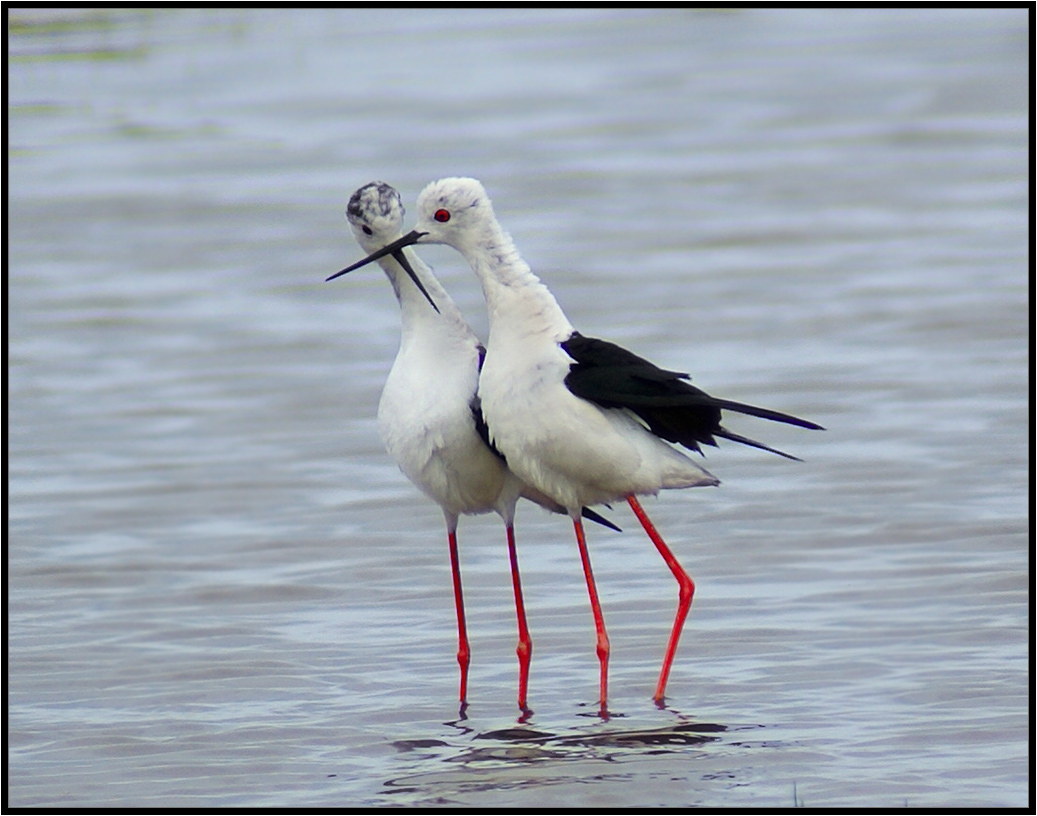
x: 428, y: 415
x: 583, y: 420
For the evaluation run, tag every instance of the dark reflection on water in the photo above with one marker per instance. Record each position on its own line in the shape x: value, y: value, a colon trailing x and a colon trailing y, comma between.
x: 685, y: 734
x: 519, y: 753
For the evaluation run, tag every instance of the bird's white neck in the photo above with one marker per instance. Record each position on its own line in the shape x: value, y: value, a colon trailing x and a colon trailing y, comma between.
x: 418, y: 317
x: 518, y: 303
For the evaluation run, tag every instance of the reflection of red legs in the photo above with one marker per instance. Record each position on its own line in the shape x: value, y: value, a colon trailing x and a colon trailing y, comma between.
x: 462, y: 631
x: 687, y: 590
x: 525, y: 643
x: 599, y: 621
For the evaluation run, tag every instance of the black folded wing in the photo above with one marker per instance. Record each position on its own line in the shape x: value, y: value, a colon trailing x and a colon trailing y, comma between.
x: 672, y: 408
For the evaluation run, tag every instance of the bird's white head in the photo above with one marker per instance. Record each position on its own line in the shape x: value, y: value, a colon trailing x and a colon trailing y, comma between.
x: 455, y: 212
x: 375, y: 214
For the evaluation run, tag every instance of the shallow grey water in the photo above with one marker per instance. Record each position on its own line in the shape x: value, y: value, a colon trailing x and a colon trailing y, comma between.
x: 221, y: 590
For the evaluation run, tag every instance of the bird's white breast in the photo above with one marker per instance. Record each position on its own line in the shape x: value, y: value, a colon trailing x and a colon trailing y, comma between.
x: 427, y: 426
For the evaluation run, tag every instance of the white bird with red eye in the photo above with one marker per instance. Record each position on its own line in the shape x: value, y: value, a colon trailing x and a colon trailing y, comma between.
x: 581, y: 419
x: 427, y: 416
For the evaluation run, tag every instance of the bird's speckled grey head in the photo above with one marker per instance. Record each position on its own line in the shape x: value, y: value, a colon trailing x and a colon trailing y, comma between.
x: 375, y: 213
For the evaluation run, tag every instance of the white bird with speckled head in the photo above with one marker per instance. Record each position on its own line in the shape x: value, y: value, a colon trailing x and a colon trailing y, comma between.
x: 583, y: 420
x: 428, y: 416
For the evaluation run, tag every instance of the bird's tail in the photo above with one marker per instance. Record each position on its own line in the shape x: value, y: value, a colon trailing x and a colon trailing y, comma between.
x: 745, y: 440
x: 590, y: 515
x: 763, y: 413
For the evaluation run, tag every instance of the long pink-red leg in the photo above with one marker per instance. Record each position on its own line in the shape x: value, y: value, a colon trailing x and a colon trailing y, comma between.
x: 462, y: 630
x: 525, y: 642
x: 599, y: 621
x: 687, y: 591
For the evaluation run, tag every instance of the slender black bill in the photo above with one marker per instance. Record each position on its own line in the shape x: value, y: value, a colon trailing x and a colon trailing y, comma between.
x: 396, y: 250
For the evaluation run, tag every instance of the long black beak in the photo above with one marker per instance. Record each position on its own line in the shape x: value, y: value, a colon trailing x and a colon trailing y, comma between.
x: 396, y: 250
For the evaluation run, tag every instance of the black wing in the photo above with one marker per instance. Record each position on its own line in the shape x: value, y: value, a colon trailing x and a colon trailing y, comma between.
x: 482, y: 428
x: 612, y: 377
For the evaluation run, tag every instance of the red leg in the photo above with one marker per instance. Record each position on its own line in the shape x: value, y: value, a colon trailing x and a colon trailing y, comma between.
x: 599, y: 621
x: 525, y: 642
x: 462, y: 630
x: 687, y: 590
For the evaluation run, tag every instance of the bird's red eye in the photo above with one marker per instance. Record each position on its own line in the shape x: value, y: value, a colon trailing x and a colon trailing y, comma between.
x: 442, y: 216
